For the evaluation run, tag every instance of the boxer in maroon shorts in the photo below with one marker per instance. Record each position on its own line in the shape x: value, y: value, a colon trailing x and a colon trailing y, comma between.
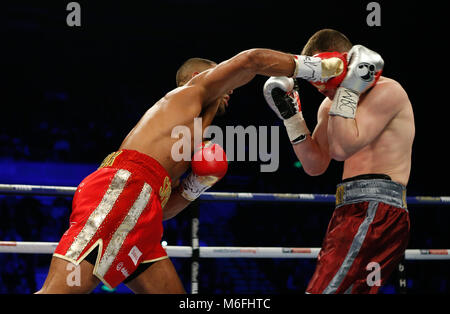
x: 370, y: 226
x: 366, y: 121
x: 117, y: 214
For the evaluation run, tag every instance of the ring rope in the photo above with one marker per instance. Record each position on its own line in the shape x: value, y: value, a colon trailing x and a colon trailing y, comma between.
x: 196, y: 252
x: 44, y: 190
x: 224, y: 251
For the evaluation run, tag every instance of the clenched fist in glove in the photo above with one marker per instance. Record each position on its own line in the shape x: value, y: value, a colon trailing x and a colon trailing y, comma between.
x: 209, y: 165
x: 318, y: 68
x: 364, y: 70
x: 282, y: 96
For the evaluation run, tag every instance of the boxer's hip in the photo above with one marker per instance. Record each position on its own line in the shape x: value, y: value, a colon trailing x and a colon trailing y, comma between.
x: 139, y: 164
x: 118, y: 209
x: 371, y: 188
x: 369, y: 225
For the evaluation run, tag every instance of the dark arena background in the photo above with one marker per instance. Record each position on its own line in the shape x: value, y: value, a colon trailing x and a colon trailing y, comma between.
x: 70, y: 94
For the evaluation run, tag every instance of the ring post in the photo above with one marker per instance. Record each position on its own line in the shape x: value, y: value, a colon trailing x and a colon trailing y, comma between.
x: 195, y: 259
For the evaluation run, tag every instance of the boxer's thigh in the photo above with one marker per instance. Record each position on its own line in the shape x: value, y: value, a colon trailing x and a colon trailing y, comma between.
x: 66, y: 277
x: 160, y: 278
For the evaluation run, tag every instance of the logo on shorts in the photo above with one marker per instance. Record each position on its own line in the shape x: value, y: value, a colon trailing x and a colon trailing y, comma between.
x: 72, y: 223
x: 164, y: 191
x: 122, y: 269
x: 109, y: 160
x: 340, y: 195
x: 135, y: 254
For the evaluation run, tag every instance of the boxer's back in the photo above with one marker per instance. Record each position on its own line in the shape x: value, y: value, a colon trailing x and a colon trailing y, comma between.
x: 152, y: 134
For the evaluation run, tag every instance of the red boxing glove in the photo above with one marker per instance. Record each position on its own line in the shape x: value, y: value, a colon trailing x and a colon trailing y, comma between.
x: 209, y: 165
x: 334, y: 82
x: 210, y: 160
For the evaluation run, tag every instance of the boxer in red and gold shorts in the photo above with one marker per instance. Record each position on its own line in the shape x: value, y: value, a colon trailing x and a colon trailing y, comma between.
x: 117, y: 214
x: 116, y: 222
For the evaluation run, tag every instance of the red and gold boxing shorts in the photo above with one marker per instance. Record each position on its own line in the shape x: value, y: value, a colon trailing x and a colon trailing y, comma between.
x: 369, y: 231
x: 118, y: 209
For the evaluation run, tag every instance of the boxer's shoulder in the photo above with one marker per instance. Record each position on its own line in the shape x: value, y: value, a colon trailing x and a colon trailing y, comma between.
x: 389, y: 87
x: 182, y: 102
x: 186, y: 93
x: 388, y: 94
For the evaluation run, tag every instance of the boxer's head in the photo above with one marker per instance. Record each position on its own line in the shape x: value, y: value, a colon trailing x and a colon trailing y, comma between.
x: 330, y: 42
x: 194, y: 66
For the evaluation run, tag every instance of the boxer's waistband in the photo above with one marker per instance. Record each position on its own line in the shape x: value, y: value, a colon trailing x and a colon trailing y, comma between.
x: 368, y: 188
x: 150, y: 169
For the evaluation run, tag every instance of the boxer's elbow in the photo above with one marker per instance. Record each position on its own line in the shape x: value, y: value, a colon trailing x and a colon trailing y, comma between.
x: 315, y: 165
x: 315, y: 169
x: 314, y: 172
x: 314, y: 161
x: 344, y: 138
x: 338, y: 152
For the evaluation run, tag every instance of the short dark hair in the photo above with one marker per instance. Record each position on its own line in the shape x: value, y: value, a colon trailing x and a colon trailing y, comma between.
x: 184, y: 73
x: 327, y: 40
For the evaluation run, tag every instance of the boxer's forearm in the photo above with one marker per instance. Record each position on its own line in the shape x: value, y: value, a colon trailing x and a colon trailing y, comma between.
x: 276, y: 63
x: 175, y: 204
x: 343, y: 137
x: 314, y: 160
x: 241, y: 69
x: 271, y: 62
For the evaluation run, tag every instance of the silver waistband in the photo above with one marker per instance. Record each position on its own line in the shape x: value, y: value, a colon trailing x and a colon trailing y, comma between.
x: 378, y: 190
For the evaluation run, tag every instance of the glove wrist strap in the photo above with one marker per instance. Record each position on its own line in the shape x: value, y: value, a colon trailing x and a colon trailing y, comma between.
x: 344, y: 103
x: 296, y: 128
x: 308, y: 68
x: 194, y: 185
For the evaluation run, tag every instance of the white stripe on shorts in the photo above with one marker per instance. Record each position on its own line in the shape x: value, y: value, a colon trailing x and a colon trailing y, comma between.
x: 98, y: 215
x: 122, y: 231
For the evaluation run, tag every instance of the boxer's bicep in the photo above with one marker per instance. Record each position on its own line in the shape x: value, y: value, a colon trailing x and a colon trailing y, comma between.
x: 313, y: 152
x: 320, y: 133
x: 183, y: 104
x: 373, y: 116
x: 226, y: 76
x: 241, y: 69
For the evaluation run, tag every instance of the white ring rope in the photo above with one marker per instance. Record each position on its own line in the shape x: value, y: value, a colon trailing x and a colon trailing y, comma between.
x: 223, y: 251
x: 195, y: 252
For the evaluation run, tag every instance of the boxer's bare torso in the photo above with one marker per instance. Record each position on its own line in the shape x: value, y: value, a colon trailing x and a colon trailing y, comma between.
x: 381, y: 142
x: 152, y: 135
x: 390, y: 152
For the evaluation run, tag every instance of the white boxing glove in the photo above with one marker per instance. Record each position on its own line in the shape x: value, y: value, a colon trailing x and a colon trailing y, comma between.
x: 364, y: 70
x: 318, y: 68
x: 281, y: 95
